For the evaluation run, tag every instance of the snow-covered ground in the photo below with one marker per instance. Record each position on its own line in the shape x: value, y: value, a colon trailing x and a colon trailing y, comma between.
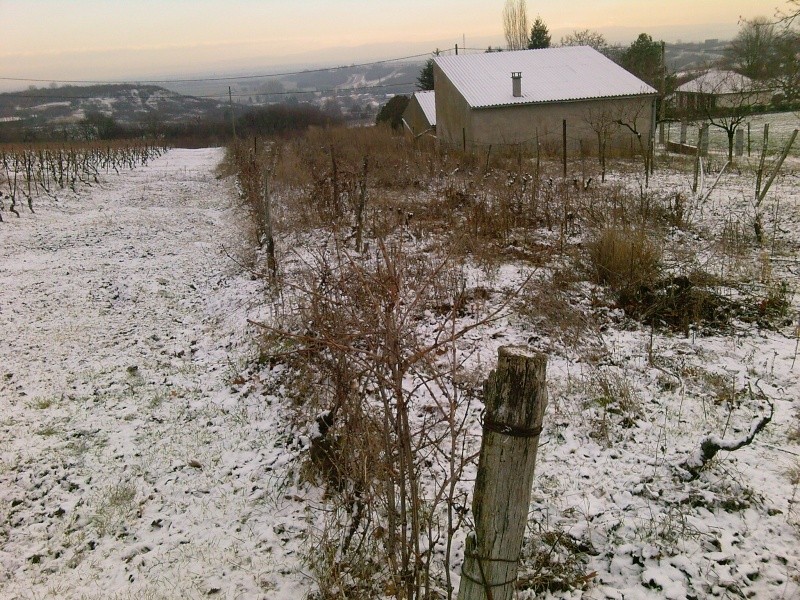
x: 143, y: 455
x: 131, y: 463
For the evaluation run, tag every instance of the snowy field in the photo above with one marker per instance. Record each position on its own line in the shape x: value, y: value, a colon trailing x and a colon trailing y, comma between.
x: 130, y: 466
x: 781, y: 126
x: 142, y: 455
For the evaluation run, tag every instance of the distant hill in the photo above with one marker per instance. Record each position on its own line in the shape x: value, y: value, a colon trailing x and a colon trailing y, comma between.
x: 688, y: 56
x: 125, y: 103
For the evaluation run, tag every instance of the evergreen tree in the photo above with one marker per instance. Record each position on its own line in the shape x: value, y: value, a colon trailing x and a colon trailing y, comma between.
x: 425, y: 79
x: 540, y: 36
x: 392, y: 111
x: 643, y: 59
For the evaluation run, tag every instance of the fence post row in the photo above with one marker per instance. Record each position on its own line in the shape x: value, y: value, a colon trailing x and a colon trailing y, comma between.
x: 516, y: 397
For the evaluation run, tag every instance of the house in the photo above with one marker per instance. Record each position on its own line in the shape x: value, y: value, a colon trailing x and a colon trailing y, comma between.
x: 718, y: 89
x: 419, y: 116
x: 526, y: 96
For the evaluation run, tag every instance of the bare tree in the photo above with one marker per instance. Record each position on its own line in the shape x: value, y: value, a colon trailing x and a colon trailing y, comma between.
x: 788, y: 16
x: 785, y: 76
x: 586, y: 37
x: 636, y: 120
x: 751, y: 51
x: 515, y: 24
x: 604, y: 122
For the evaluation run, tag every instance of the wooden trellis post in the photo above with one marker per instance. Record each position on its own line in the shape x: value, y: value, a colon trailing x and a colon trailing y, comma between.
x: 516, y: 397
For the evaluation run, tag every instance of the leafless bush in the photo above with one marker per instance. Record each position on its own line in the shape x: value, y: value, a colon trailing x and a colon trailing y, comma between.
x: 357, y: 332
x: 32, y: 170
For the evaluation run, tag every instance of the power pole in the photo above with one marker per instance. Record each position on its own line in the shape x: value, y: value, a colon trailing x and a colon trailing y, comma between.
x: 233, y: 119
x: 663, y: 81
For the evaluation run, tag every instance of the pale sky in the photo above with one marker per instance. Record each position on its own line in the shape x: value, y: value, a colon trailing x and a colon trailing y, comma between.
x: 134, y: 39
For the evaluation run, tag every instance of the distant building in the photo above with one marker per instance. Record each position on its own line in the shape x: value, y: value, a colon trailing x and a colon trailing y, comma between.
x: 524, y: 97
x: 718, y: 89
x: 420, y: 114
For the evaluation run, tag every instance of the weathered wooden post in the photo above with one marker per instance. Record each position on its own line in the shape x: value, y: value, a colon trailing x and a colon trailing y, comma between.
x: 268, y: 237
x: 760, y: 171
x: 516, y: 397
x: 360, y: 207
x: 698, y: 157
x: 704, y: 139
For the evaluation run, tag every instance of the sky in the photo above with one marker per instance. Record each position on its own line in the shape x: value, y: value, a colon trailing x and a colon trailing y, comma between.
x: 56, y: 40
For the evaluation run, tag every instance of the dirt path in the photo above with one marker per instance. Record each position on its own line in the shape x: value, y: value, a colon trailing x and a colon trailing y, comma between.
x: 130, y: 462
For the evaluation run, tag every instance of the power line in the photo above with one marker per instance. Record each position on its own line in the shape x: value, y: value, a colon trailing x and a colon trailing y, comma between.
x: 28, y: 95
x: 230, y: 78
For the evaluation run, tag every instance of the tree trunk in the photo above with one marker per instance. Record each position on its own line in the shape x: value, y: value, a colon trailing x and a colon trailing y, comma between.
x: 731, y: 133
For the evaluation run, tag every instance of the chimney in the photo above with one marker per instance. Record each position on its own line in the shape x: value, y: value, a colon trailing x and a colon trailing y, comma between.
x: 516, y: 83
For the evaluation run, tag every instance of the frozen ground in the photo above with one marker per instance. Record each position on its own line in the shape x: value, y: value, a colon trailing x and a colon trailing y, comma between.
x: 141, y: 455
x: 131, y: 464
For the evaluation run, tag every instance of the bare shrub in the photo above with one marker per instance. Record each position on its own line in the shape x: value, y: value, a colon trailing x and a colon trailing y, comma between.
x: 552, y: 561
x: 357, y: 333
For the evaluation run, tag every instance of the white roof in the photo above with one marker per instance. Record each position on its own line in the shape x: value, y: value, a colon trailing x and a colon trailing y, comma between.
x: 715, y: 81
x: 548, y: 75
x: 427, y: 101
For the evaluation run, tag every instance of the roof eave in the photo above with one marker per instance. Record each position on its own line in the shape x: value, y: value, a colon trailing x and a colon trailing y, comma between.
x: 559, y: 101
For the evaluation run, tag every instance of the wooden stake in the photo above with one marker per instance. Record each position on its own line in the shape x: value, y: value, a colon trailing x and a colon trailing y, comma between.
x: 270, y: 240
x: 777, y: 168
x: 697, y: 159
x: 516, y: 397
x: 760, y: 171
x: 360, y: 207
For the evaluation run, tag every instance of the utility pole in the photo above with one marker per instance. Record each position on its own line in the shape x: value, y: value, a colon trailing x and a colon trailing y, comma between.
x: 663, y: 81
x: 233, y: 119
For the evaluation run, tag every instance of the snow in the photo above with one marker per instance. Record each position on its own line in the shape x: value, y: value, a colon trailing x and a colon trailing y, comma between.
x: 127, y: 460
x: 142, y: 454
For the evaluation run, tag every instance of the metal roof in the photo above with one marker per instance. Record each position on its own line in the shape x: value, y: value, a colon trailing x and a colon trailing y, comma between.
x: 427, y: 101
x: 715, y: 81
x: 548, y: 75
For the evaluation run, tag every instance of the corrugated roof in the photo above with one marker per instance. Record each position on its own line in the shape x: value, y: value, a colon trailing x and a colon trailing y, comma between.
x: 427, y: 101
x: 548, y: 75
x: 715, y: 81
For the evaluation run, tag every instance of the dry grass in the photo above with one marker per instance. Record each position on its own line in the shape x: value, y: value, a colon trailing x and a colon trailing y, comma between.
x: 624, y: 259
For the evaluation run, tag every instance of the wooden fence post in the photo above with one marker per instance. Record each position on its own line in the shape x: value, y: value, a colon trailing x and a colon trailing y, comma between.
x: 360, y: 208
x: 516, y: 397
x: 269, y: 240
